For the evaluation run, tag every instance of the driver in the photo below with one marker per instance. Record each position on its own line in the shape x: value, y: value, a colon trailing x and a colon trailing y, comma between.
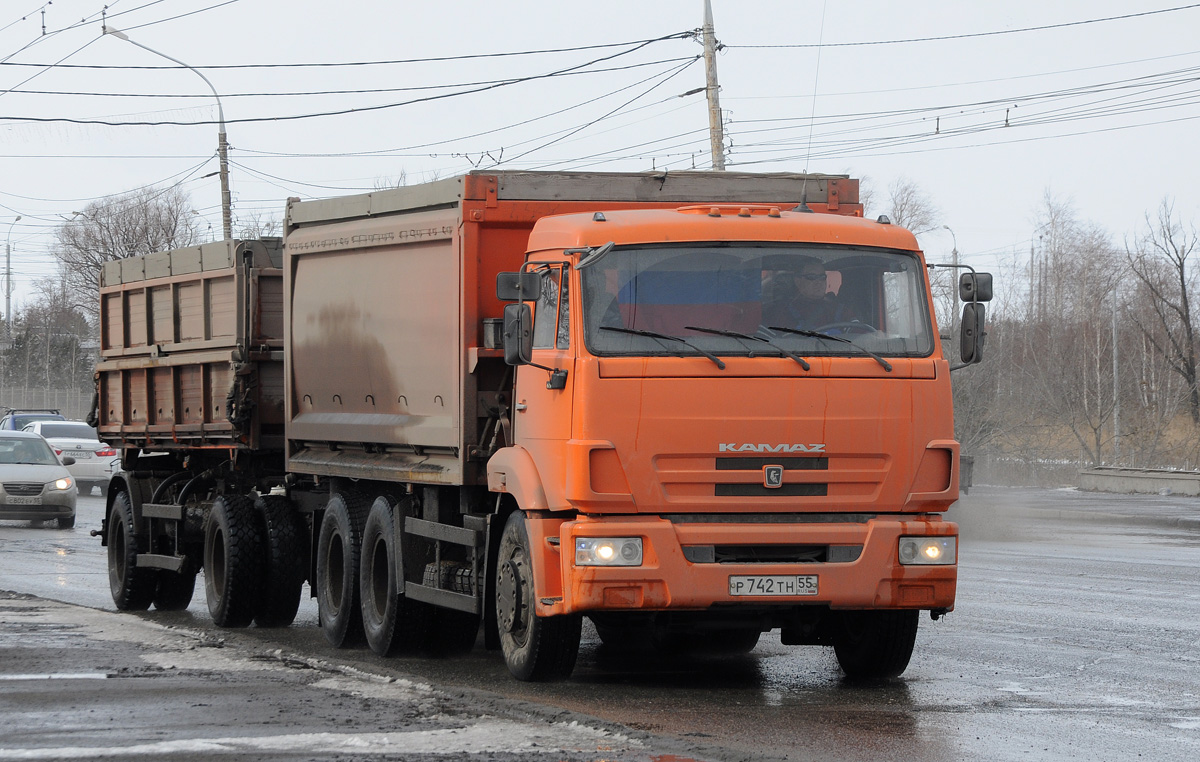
x: 799, y: 299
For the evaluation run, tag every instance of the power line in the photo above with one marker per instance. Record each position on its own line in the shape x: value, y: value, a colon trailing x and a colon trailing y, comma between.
x: 333, y: 64
x: 972, y: 34
x: 340, y: 112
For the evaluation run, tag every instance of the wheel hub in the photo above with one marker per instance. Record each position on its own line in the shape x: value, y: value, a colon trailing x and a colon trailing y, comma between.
x: 509, y: 597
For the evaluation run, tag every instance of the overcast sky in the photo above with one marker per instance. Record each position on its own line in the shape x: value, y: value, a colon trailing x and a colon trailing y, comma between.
x: 986, y: 106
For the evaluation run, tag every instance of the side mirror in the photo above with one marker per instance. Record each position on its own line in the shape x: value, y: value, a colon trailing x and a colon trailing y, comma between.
x: 972, y: 333
x: 975, y: 287
x: 67, y: 460
x: 518, y: 334
x: 517, y: 287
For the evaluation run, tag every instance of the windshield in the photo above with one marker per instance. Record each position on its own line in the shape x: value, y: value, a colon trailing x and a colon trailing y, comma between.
x: 756, y: 299
x: 26, y: 450
x: 68, y: 431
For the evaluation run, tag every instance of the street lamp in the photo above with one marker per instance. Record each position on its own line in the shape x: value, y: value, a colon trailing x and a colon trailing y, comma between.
x: 222, y: 145
x: 954, y: 283
x: 8, y: 281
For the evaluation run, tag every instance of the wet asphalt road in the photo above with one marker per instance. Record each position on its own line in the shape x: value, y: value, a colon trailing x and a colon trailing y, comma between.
x: 1076, y: 636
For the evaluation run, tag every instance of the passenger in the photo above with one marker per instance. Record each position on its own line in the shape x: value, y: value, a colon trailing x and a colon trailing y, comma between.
x: 799, y: 299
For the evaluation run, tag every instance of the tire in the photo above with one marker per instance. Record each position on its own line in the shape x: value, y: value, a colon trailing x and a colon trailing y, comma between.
x: 66, y: 522
x: 535, y: 648
x: 132, y: 586
x: 285, y: 561
x: 874, y: 645
x: 339, y: 547
x: 233, y: 553
x: 174, y: 591
x: 391, y: 621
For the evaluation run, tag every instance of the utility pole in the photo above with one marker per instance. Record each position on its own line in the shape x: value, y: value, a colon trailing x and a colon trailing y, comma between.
x: 716, y: 129
x: 222, y: 142
x: 8, y: 282
x: 1116, y: 389
x: 953, y: 284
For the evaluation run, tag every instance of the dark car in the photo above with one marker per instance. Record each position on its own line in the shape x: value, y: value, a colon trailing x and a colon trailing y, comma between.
x: 34, y: 483
x: 15, y: 420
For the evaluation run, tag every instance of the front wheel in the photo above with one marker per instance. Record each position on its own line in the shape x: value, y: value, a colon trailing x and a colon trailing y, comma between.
x: 132, y: 586
x: 874, y: 645
x: 535, y: 648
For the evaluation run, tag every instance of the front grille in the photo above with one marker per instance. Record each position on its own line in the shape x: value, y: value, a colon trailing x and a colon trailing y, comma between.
x: 23, y: 489
x: 771, y: 554
x: 789, y: 463
x: 758, y: 490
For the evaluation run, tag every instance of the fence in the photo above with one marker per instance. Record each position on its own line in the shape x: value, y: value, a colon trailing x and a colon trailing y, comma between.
x: 75, y: 404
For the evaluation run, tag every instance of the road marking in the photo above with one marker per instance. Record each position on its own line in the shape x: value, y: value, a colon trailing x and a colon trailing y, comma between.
x: 490, y: 735
x: 59, y: 676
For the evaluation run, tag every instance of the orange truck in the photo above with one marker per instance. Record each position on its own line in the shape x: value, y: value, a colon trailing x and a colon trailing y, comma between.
x: 691, y: 407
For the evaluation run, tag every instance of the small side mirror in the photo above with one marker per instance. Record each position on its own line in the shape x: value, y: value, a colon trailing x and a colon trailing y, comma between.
x: 519, y: 286
x: 972, y: 333
x: 518, y: 334
x: 67, y: 460
x: 975, y: 287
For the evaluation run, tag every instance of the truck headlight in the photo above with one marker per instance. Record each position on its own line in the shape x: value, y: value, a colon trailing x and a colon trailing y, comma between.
x: 608, y: 551
x: 928, y: 550
x: 64, y: 483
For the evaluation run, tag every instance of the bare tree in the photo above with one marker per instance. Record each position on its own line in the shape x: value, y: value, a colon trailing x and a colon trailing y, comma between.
x: 116, y: 227
x: 911, y: 207
x: 1159, y: 260
x: 258, y: 226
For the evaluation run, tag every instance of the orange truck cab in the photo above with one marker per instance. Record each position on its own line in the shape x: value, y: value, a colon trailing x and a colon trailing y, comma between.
x: 693, y: 473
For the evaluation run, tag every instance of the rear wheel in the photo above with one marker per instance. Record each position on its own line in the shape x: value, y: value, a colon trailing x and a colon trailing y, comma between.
x: 874, y: 645
x: 174, y: 591
x: 535, y: 648
x: 232, y: 561
x: 132, y: 587
x: 392, y: 621
x: 338, y: 550
x: 286, y: 561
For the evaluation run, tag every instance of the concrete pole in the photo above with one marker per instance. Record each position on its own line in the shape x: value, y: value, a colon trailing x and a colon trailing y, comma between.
x: 8, y: 282
x: 1116, y: 388
x: 222, y: 143
x: 716, y: 129
x: 954, y: 285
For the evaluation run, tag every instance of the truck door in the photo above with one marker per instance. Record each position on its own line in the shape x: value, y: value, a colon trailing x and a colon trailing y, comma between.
x: 542, y: 420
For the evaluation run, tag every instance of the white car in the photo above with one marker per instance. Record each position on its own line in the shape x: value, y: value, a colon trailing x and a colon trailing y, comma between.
x: 34, y: 483
x: 95, y: 462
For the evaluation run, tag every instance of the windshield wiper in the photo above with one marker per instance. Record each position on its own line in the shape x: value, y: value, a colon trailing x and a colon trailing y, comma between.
x: 656, y: 335
x: 818, y: 335
x: 737, y: 335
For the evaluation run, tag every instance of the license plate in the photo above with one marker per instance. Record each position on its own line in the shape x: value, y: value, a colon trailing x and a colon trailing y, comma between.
x: 773, y: 584
x: 78, y: 454
x: 19, y: 500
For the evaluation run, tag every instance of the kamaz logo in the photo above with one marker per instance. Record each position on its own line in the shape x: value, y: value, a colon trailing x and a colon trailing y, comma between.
x: 771, y: 448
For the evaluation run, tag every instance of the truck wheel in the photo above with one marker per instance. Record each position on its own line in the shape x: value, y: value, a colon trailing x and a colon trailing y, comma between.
x: 392, y: 622
x: 874, y: 645
x: 338, y: 551
x: 535, y: 648
x: 233, y: 551
x: 132, y: 587
x: 286, y: 561
x: 174, y: 591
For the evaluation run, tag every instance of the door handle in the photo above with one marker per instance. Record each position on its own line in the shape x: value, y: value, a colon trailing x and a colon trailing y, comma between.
x: 520, y: 407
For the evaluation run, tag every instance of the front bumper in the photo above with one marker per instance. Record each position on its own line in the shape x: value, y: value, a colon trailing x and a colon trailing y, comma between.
x: 668, y: 580
x: 55, y: 504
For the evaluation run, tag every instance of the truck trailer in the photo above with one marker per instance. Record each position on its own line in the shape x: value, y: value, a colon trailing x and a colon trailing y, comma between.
x: 510, y: 400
